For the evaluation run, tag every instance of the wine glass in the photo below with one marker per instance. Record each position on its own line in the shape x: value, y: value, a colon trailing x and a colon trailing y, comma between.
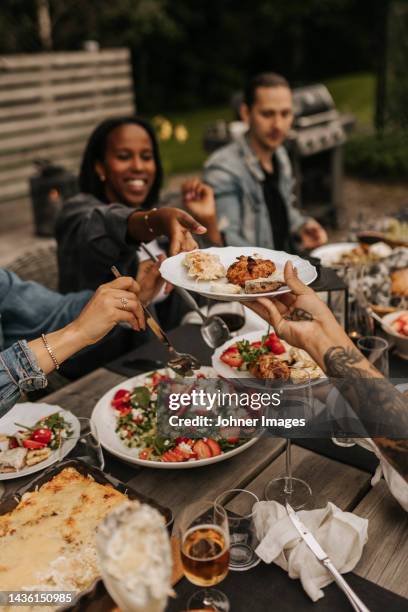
x: 243, y: 539
x: 375, y: 350
x: 232, y: 313
x: 288, y: 488
x: 204, y: 547
x: 88, y: 447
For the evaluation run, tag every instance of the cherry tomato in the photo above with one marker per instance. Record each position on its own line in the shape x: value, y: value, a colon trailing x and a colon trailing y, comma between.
x: 42, y: 435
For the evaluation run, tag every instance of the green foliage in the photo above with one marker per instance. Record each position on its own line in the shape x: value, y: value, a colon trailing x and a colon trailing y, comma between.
x: 194, y: 53
x: 378, y: 157
x: 190, y: 156
x: 355, y: 93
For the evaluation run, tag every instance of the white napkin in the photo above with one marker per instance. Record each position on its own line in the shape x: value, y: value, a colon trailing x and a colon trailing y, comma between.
x: 396, y: 483
x: 342, y: 536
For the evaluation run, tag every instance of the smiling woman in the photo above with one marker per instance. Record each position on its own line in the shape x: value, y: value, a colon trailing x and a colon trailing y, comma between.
x: 120, y: 180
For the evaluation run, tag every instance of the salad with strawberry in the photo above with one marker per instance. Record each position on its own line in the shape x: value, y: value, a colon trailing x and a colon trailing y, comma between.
x: 49, y: 432
x: 400, y: 325
x: 243, y: 353
x: 136, y: 426
x: 269, y: 357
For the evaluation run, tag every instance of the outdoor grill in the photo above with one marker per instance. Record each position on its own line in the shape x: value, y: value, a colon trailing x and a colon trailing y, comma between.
x: 314, y: 145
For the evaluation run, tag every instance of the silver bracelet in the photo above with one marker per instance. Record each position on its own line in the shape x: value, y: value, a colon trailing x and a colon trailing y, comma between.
x: 50, y: 352
x: 146, y: 218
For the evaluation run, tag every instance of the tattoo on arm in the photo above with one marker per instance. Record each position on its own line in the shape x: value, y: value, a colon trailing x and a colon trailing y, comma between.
x: 298, y: 314
x: 376, y: 402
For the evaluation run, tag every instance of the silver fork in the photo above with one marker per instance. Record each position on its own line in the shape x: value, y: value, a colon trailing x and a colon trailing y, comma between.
x: 182, y: 364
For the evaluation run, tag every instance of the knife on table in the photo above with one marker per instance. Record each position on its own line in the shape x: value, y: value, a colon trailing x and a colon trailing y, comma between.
x: 318, y: 551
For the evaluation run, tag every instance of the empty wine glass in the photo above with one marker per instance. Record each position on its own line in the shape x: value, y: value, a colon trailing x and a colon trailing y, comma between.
x: 288, y: 488
x: 88, y: 447
x: 375, y: 350
x: 243, y: 539
x: 204, y: 547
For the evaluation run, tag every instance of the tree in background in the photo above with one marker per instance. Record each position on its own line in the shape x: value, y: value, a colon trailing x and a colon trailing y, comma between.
x: 190, y: 53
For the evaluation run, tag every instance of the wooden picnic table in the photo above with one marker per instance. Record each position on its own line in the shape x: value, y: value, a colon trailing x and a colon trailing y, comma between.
x: 385, y: 557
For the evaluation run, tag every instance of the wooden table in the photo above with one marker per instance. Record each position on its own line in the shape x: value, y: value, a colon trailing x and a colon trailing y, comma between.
x: 385, y: 558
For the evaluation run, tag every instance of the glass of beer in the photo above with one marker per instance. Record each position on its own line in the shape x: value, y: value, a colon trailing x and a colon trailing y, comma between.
x: 204, y: 547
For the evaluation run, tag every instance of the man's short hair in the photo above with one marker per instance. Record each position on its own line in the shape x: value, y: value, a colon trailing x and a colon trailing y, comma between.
x: 265, y: 79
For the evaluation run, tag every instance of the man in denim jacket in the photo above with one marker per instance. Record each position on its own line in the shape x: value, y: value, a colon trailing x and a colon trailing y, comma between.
x: 252, y: 177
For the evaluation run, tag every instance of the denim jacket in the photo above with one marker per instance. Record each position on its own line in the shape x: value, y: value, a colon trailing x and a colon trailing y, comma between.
x: 19, y: 372
x: 27, y: 310
x: 236, y: 175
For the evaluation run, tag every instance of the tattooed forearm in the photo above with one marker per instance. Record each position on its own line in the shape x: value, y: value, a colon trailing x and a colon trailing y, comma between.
x: 374, y: 400
x: 340, y: 362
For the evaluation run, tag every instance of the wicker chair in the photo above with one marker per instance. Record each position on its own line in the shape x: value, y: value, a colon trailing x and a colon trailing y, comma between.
x: 39, y: 264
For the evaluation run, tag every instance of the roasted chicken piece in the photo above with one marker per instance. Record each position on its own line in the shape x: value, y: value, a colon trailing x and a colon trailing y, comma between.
x: 248, y: 268
x: 269, y: 366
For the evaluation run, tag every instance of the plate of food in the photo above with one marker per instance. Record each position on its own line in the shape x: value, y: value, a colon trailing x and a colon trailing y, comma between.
x: 62, y: 509
x: 125, y: 418
x: 234, y: 273
x: 33, y: 437
x: 264, y: 356
x: 341, y: 254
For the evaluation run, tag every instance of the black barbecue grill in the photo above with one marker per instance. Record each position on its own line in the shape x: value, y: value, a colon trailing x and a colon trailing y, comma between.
x: 314, y: 145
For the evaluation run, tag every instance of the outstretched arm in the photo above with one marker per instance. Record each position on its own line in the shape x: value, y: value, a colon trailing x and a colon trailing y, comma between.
x: 303, y: 320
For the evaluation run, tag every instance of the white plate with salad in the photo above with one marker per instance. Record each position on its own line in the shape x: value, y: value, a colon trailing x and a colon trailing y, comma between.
x: 264, y: 355
x: 33, y: 437
x: 125, y: 420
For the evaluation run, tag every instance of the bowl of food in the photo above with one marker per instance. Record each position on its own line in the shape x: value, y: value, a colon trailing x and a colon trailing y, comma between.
x: 397, y: 331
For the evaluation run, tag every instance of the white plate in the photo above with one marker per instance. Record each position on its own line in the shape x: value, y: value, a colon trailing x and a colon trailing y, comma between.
x: 28, y: 414
x: 228, y: 372
x: 330, y: 254
x: 174, y: 271
x: 104, y: 418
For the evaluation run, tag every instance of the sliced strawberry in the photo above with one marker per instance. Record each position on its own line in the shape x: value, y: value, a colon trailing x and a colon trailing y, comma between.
x: 398, y: 325
x: 232, y: 357
x: 233, y: 440
x: 32, y: 444
x: 124, y: 410
x: 169, y: 457
x: 277, y: 347
x: 256, y: 344
x: 215, y: 448
x: 202, y: 450
x: 121, y: 397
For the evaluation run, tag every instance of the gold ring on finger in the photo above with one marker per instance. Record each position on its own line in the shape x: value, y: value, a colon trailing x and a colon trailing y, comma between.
x: 125, y: 303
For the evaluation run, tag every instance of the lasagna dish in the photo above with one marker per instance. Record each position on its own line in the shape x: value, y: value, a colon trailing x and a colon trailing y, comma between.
x: 48, y: 541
